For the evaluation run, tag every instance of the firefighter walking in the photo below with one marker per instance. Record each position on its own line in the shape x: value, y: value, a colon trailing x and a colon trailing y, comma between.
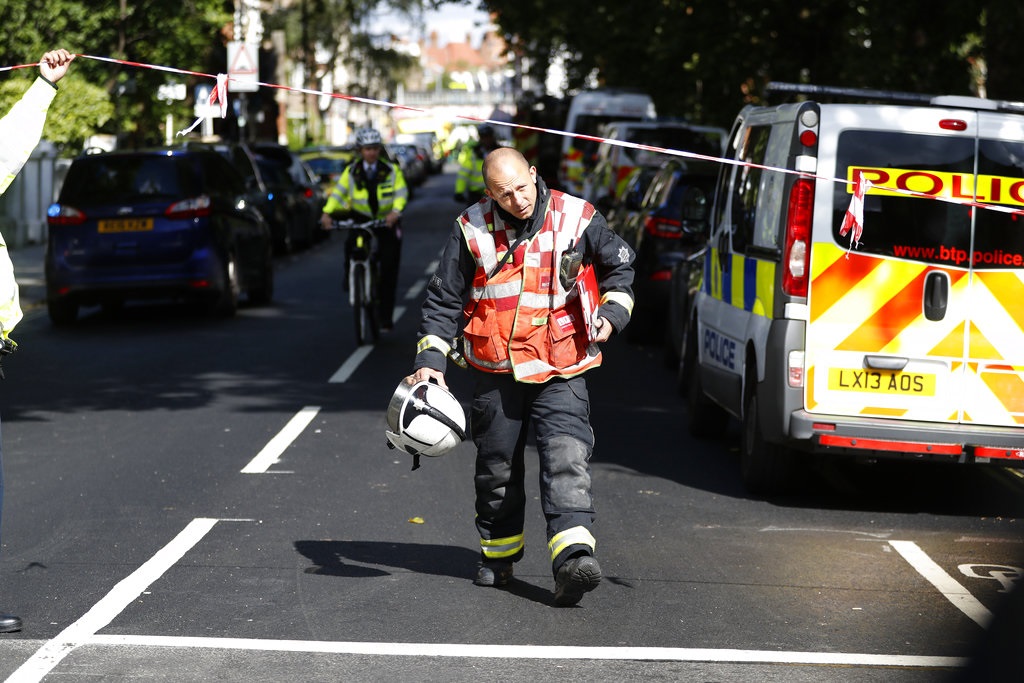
x: 527, y: 344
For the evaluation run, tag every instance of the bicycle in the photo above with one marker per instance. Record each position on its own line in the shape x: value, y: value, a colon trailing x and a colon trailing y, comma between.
x: 363, y: 277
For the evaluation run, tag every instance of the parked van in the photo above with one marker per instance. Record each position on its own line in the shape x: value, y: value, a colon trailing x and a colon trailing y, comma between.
x: 906, y: 343
x: 588, y: 111
x: 615, y: 165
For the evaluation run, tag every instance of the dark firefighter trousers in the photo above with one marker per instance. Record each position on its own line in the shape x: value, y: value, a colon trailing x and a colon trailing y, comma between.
x: 559, y: 411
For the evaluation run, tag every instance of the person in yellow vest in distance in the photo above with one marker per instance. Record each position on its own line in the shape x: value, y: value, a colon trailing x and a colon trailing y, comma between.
x: 20, y: 131
x: 469, y: 179
x: 527, y: 345
x: 370, y: 188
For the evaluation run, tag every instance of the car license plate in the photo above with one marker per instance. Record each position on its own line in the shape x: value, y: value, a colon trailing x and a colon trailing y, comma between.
x: 881, y: 382
x: 126, y: 225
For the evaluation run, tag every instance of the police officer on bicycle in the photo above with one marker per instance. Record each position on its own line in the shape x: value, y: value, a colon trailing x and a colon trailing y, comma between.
x: 371, y: 188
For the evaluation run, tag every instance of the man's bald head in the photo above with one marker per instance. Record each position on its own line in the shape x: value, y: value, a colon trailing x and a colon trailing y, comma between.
x: 511, y: 181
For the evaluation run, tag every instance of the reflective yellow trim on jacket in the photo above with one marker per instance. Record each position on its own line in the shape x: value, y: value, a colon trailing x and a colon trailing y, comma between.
x: 392, y: 192
x: 432, y: 341
x: 621, y: 298
x: 577, y: 535
x: 470, y: 175
x: 498, y: 548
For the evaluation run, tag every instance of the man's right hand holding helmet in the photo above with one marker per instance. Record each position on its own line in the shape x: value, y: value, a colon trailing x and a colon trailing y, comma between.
x: 426, y: 375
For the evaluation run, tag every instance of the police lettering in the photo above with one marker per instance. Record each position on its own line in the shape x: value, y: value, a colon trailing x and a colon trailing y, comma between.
x: 894, y: 181
x: 720, y: 349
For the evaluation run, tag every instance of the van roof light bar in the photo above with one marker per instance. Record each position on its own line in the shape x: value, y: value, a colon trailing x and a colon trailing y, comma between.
x: 852, y: 93
x: 954, y: 101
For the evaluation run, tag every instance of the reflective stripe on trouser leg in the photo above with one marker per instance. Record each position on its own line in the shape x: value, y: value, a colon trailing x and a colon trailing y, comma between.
x: 576, y: 536
x: 501, y: 548
x: 499, y: 432
x: 565, y: 441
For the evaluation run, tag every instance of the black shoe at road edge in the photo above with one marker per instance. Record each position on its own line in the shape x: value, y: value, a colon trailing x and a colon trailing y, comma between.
x: 9, y: 623
x: 496, y: 574
x: 574, y: 578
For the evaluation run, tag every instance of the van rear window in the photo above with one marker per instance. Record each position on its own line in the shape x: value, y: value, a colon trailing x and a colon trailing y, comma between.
x: 927, y: 230
x: 103, y: 179
x: 904, y: 226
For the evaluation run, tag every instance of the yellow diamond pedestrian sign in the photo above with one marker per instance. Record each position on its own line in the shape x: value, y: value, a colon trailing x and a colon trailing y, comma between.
x: 243, y: 67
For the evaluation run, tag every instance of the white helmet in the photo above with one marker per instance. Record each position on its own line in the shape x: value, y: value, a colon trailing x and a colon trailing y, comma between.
x: 424, y: 419
x: 367, y: 136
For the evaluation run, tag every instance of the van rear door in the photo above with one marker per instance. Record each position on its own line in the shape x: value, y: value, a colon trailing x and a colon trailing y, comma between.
x: 922, y: 319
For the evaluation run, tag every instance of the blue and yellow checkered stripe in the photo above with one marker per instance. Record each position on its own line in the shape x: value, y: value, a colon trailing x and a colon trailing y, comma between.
x: 746, y: 282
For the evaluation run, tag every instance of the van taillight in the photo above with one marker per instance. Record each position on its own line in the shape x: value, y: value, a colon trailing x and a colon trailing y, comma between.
x: 189, y: 208
x: 62, y: 214
x: 798, y: 238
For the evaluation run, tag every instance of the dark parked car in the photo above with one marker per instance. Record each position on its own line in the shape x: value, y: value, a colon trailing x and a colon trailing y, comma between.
x: 272, y: 195
x: 166, y: 222
x: 669, y: 224
x: 291, y: 180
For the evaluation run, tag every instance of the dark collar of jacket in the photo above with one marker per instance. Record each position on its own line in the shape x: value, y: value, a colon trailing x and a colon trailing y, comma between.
x: 533, y: 223
x: 358, y: 171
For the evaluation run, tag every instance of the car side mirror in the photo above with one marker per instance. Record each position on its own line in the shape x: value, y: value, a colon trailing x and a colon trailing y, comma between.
x: 694, y: 212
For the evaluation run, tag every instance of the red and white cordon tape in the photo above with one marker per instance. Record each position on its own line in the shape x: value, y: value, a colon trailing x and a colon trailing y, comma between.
x: 853, y: 221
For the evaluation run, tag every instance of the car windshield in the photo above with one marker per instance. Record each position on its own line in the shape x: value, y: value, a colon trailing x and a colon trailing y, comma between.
x: 105, y: 179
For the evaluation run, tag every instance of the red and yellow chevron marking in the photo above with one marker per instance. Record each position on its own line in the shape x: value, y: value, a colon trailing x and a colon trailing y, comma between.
x: 863, y: 304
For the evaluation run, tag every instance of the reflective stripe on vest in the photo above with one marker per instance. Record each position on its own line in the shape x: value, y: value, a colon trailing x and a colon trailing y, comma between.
x: 523, y: 321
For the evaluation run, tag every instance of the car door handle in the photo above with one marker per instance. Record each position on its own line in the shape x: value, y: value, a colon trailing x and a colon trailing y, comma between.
x: 936, y: 295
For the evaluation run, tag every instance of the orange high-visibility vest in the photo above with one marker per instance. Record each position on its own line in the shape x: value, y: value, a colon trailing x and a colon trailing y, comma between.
x: 521, y: 320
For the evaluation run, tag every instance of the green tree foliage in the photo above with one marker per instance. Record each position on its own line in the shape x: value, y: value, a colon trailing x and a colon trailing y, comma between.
x: 181, y: 34
x: 703, y: 59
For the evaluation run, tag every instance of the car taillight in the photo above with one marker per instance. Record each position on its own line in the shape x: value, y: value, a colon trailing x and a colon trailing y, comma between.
x: 797, y: 249
x: 61, y: 214
x: 189, y: 208
x: 308, y: 193
x: 662, y: 227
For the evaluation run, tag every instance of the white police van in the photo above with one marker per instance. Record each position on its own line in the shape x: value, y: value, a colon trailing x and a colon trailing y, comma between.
x: 907, y: 342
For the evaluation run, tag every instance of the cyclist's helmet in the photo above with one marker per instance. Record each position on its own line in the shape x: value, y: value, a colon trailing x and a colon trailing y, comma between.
x: 424, y: 419
x: 367, y: 136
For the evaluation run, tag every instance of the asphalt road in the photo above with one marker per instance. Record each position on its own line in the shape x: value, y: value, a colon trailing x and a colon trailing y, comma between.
x: 193, y: 499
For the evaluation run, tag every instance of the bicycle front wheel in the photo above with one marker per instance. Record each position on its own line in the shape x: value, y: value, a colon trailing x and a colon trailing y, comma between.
x: 364, y: 310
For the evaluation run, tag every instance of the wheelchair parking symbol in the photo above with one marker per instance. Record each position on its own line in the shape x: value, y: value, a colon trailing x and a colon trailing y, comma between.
x: 1005, y: 575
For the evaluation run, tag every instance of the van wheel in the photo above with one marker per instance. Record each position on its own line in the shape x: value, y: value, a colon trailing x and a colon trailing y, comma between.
x: 704, y: 417
x: 766, y: 468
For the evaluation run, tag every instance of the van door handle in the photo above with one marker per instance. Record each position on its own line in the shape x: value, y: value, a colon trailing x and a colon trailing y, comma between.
x: 895, y: 363
x: 936, y: 295
x: 723, y: 244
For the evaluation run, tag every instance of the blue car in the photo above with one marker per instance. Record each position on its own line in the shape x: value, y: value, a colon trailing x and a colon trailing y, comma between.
x: 159, y: 223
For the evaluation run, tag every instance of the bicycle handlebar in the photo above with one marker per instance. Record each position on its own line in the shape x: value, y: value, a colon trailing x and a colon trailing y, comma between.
x: 350, y: 223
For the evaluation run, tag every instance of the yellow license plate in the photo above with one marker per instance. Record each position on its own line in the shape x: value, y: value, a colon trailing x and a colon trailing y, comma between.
x: 881, y: 382
x: 126, y: 225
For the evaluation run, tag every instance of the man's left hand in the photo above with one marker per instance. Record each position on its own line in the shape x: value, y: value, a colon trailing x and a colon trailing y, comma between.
x: 54, y: 64
x: 604, y: 329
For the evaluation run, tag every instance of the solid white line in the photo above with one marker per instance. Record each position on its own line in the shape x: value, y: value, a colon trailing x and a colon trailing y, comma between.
x: 112, y: 604
x: 679, y: 654
x: 276, y: 446
x: 350, y: 365
x: 947, y: 585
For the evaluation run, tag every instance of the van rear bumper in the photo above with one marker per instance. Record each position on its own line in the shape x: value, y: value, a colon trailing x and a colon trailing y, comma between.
x: 954, y: 442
